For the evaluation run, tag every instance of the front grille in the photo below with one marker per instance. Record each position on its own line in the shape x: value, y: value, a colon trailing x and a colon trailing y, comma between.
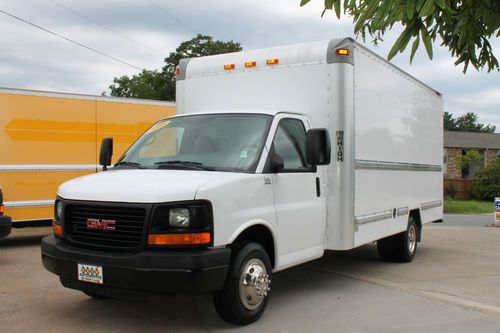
x: 129, y: 226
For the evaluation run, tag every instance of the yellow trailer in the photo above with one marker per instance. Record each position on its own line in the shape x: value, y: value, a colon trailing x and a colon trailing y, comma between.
x: 47, y: 138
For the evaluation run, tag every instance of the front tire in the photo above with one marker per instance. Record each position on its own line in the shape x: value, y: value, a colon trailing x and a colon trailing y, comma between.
x: 246, y: 291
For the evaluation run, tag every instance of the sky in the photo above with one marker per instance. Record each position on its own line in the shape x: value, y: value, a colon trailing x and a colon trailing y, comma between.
x: 141, y: 33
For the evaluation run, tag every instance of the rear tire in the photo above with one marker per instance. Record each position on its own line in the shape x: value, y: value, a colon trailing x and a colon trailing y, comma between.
x: 246, y: 291
x: 401, y: 247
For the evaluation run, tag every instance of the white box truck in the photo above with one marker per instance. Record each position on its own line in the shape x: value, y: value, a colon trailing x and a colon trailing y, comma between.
x: 275, y: 156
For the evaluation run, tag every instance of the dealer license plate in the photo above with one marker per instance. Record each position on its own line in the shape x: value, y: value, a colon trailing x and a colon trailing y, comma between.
x: 90, y: 273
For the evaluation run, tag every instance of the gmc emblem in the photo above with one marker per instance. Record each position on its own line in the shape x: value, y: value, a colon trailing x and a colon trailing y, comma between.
x: 96, y: 224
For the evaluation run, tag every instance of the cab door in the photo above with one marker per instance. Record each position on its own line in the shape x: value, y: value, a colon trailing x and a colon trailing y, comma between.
x: 300, y: 205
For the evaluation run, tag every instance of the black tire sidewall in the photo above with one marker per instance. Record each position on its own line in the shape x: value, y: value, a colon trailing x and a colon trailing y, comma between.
x: 235, y: 312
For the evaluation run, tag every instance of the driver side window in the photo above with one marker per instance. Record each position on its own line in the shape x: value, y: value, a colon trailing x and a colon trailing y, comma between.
x: 290, y: 144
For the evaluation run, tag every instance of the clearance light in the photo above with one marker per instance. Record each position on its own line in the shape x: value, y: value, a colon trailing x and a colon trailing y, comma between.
x: 57, y: 229
x: 250, y: 64
x: 177, y: 71
x: 343, y: 52
x: 272, y: 61
x: 179, y: 239
x: 229, y: 66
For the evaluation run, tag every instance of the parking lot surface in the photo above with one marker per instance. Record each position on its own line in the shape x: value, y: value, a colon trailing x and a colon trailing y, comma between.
x: 453, y: 285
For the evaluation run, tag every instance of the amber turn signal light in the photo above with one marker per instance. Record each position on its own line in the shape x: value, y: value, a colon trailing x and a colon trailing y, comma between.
x: 180, y: 239
x: 57, y: 229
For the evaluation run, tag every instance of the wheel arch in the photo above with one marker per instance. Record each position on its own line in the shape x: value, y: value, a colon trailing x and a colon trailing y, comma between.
x: 261, y: 233
x: 415, y: 213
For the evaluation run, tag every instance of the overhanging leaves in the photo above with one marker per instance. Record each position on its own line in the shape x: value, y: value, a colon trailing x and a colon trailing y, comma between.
x: 465, y: 27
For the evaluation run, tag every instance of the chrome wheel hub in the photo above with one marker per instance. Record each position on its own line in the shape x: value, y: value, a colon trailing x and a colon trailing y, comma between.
x: 412, y: 239
x: 254, y: 284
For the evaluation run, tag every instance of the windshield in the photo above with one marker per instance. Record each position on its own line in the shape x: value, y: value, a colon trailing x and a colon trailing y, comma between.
x: 222, y: 142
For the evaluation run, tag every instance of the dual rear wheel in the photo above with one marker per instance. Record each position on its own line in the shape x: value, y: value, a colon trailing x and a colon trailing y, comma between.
x: 401, y: 247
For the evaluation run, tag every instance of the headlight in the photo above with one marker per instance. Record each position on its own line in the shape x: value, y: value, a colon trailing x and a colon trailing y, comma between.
x: 181, y: 223
x: 179, y: 217
x: 59, y: 210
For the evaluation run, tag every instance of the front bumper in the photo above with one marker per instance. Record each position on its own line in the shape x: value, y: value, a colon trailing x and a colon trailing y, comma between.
x: 5, y: 225
x: 150, y: 271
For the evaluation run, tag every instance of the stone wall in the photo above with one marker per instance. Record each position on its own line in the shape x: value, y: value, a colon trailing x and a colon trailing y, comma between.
x: 491, y: 154
x: 453, y: 170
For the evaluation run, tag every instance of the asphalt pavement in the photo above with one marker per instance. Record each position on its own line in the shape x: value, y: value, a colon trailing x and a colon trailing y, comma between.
x: 453, y: 285
x: 468, y: 220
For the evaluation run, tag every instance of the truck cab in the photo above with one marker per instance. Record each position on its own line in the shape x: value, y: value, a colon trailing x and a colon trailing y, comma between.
x: 5, y: 221
x: 171, y: 225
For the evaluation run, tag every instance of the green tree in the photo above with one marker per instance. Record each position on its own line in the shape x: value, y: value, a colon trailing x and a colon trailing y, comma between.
x: 153, y: 84
x: 471, y: 159
x: 147, y: 84
x: 487, y: 181
x: 466, y: 123
x: 465, y: 26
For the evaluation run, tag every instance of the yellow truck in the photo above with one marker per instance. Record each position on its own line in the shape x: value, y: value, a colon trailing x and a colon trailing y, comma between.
x: 47, y: 138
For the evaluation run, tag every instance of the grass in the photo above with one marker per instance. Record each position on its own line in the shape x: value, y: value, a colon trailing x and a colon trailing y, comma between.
x: 468, y: 207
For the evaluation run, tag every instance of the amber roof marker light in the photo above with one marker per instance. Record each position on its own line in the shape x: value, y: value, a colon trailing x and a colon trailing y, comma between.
x: 342, y: 52
x: 272, y: 61
x: 229, y: 67
x: 249, y: 64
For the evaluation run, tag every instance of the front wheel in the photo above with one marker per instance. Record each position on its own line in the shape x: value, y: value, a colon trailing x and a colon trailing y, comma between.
x: 246, y: 291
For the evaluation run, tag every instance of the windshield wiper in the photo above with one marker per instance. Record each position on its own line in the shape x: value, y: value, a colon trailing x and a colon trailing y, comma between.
x: 184, y: 164
x: 130, y: 164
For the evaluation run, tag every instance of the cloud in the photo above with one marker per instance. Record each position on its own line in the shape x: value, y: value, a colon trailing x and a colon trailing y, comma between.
x: 34, y: 59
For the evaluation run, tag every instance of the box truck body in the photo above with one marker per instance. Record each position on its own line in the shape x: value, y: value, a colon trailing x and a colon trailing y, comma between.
x: 278, y: 154
x: 47, y: 138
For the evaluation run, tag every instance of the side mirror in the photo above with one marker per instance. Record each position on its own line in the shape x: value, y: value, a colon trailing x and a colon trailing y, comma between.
x: 106, y: 153
x: 318, y: 149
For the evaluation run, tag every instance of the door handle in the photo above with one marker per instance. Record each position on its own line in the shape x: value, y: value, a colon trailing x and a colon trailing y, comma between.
x: 318, y: 188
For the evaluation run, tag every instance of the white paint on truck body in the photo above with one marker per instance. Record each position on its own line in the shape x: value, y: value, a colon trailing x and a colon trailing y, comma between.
x: 386, y: 136
x: 383, y: 114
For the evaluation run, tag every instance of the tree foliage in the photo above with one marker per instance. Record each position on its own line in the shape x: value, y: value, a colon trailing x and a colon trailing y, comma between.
x: 471, y: 159
x: 487, y: 181
x: 154, y: 84
x: 464, y: 26
x: 147, y: 84
x: 466, y: 123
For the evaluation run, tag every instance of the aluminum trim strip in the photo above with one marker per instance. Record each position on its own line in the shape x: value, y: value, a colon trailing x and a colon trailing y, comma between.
x: 364, y: 219
x: 385, y: 165
x: 402, y: 211
x: 49, y: 167
x: 431, y: 204
x: 28, y: 203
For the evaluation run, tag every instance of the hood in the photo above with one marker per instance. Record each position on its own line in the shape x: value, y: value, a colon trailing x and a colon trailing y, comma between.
x: 141, y: 186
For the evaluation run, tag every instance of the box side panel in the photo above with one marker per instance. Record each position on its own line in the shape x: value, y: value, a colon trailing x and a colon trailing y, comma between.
x: 37, y: 132
x: 398, y: 149
x: 46, y: 140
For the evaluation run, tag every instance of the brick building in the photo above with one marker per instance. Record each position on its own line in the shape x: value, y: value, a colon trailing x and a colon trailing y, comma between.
x: 457, y: 144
